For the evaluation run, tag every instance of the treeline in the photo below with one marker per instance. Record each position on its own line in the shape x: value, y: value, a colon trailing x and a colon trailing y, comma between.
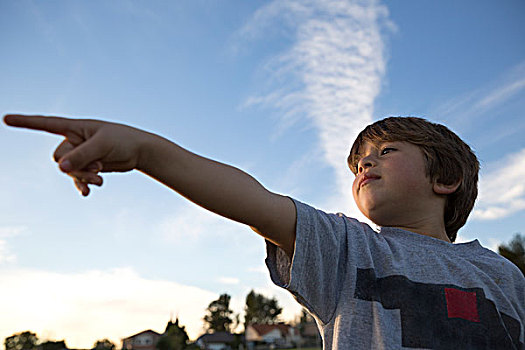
x: 29, y: 341
x: 219, y: 317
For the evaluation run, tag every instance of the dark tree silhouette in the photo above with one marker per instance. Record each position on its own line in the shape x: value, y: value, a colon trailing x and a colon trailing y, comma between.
x: 104, y: 344
x: 53, y: 345
x: 219, y: 316
x: 174, y: 338
x: 21, y: 341
x: 515, y: 251
x: 259, y: 309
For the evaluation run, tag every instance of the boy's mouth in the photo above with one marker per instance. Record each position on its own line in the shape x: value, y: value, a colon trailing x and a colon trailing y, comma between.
x: 367, y: 178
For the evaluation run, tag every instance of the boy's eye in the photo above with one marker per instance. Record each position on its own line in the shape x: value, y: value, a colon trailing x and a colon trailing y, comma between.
x: 387, y: 150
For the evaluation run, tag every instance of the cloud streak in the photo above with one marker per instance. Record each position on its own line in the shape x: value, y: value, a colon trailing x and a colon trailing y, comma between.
x: 228, y: 280
x: 192, y: 223
x: 330, y: 76
x: 471, y: 108
x: 502, y: 188
x: 6, y: 255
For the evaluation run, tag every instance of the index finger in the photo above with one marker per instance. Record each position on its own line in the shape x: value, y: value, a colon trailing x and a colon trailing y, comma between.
x: 54, y: 125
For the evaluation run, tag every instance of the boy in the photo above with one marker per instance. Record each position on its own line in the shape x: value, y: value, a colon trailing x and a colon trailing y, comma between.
x: 407, y: 286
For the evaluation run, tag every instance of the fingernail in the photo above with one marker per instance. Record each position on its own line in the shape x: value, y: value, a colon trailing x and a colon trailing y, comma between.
x: 65, y: 166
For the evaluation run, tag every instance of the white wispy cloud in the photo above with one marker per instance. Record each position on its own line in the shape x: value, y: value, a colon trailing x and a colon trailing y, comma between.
x: 11, y: 231
x: 6, y: 232
x: 330, y: 76
x: 6, y: 255
x: 110, y: 303
x: 502, y: 188
x: 191, y: 222
x: 228, y: 280
x: 471, y: 108
x: 502, y: 94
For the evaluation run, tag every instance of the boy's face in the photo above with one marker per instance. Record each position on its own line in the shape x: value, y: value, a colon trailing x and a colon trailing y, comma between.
x: 391, y: 187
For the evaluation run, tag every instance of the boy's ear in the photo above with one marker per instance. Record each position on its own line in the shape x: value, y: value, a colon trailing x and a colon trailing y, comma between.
x: 440, y: 188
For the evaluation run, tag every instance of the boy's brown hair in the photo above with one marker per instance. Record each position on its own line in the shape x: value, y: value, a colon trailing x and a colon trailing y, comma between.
x: 448, y: 160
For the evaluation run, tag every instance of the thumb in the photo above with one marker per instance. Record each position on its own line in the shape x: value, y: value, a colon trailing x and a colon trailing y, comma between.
x: 82, y: 155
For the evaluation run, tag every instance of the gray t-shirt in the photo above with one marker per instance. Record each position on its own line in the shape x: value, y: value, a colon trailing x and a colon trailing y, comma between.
x: 399, y: 290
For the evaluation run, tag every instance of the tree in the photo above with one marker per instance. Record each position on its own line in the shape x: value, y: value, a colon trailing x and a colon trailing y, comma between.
x: 21, y: 341
x: 53, y: 345
x: 174, y: 338
x: 218, y: 316
x: 515, y: 251
x: 259, y: 309
x: 104, y: 344
x: 305, y: 318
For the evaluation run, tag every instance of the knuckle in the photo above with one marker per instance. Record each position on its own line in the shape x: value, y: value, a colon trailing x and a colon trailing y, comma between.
x: 61, y: 150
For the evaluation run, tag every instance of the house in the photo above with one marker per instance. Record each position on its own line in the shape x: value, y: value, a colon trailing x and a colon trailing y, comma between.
x: 145, y: 340
x: 216, y: 341
x: 280, y: 335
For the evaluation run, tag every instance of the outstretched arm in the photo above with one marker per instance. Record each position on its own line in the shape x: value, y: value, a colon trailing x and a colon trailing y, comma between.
x: 93, y: 146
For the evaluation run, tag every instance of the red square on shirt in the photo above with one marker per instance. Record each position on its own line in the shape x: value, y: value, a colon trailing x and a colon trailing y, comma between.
x: 462, y: 304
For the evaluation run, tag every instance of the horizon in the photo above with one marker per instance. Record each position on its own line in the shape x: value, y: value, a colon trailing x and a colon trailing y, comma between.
x: 119, y: 345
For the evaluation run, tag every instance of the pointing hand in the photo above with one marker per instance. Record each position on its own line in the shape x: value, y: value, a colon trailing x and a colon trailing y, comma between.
x: 90, y: 146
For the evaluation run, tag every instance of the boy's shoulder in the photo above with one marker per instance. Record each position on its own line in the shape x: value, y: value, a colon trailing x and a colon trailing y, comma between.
x: 392, y: 239
x: 492, y: 257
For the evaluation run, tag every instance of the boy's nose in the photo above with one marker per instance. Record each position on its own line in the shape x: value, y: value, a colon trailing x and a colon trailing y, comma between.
x: 364, y: 163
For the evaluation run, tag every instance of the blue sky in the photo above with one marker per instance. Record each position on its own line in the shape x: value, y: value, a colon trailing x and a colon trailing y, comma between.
x: 276, y: 88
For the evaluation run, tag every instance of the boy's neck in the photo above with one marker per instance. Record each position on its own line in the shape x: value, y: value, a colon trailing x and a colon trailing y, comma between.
x: 428, y: 222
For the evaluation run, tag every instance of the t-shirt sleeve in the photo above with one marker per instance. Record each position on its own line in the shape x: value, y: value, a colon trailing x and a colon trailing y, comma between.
x: 314, y: 274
